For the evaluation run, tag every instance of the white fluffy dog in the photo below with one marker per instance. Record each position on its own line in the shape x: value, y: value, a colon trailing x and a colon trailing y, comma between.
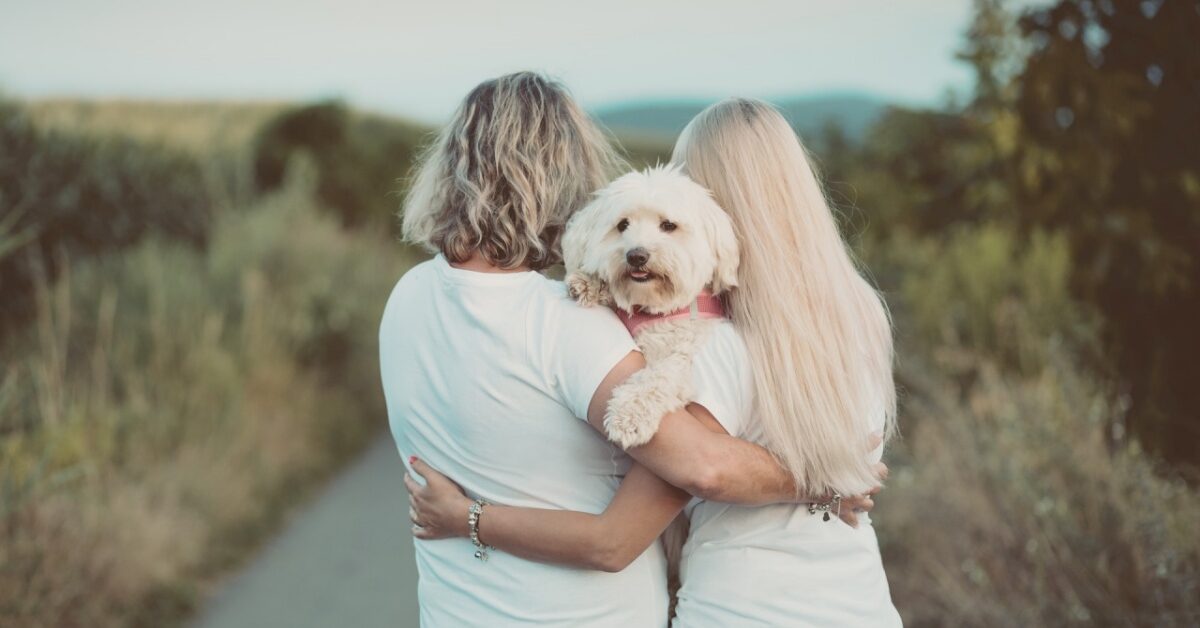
x: 651, y: 243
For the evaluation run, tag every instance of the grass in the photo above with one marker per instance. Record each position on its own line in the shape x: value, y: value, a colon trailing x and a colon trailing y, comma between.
x: 168, y: 406
x: 1015, y: 499
x: 220, y: 135
x: 199, y: 127
x: 1010, y: 507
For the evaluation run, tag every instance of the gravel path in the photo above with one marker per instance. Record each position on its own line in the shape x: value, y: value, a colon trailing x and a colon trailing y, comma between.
x: 345, y: 561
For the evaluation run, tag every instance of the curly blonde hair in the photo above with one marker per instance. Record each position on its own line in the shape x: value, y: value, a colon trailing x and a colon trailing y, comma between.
x: 518, y: 158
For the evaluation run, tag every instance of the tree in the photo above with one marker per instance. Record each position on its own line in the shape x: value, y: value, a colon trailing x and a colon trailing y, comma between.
x: 1110, y: 153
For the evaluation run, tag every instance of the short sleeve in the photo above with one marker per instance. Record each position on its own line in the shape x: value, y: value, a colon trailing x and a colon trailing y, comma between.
x: 723, y: 380
x: 586, y: 344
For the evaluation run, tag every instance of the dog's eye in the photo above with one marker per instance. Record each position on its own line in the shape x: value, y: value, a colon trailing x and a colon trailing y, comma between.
x: 623, y: 225
x: 667, y: 226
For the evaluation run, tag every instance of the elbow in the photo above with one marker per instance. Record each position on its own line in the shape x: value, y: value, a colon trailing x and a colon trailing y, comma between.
x: 707, y: 480
x: 613, y: 563
x: 611, y: 556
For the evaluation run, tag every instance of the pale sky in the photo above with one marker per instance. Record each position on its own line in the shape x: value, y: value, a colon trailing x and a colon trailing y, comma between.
x: 420, y: 58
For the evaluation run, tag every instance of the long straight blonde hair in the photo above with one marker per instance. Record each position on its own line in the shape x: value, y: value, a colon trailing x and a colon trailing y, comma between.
x: 819, y: 336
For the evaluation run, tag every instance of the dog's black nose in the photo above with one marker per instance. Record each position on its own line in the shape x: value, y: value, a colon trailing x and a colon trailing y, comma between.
x: 637, y: 257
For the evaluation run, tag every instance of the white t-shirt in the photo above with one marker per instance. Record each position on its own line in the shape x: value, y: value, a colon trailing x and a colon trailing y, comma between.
x: 488, y: 378
x: 772, y: 565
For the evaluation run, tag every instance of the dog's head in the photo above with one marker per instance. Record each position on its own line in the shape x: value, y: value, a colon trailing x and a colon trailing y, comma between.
x: 657, y: 238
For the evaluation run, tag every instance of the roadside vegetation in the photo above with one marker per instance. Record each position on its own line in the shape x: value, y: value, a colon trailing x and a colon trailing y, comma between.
x: 189, y: 296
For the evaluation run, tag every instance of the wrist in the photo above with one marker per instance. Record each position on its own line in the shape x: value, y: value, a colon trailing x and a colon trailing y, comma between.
x: 461, y: 528
x: 474, y: 515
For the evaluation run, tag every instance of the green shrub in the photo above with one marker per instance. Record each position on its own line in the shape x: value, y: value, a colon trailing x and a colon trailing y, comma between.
x: 168, y: 405
x: 984, y: 288
x: 643, y: 152
x: 360, y: 158
x: 1016, y: 499
x: 64, y: 196
x: 1010, y: 506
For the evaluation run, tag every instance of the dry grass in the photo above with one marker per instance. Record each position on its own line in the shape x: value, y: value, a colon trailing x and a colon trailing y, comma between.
x: 1014, y: 499
x: 219, y: 134
x: 168, y: 405
x: 200, y: 127
x: 1010, y: 508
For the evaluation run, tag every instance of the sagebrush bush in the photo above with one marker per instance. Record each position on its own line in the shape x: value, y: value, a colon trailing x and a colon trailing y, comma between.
x: 360, y: 159
x: 1009, y: 507
x: 985, y: 288
x: 167, y: 405
x: 65, y: 196
x: 1015, y: 500
x: 217, y: 134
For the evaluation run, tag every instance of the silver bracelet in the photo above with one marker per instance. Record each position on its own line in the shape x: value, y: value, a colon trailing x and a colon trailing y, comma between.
x: 473, y: 514
x: 834, y: 504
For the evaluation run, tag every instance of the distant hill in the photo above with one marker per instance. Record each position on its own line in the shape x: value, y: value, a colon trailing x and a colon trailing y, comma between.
x: 807, y: 114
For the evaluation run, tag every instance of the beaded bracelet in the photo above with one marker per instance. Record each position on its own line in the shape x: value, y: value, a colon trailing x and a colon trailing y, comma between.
x: 473, y: 514
x: 834, y: 503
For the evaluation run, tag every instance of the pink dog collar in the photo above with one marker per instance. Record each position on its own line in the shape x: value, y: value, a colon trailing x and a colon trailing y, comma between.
x: 705, y: 306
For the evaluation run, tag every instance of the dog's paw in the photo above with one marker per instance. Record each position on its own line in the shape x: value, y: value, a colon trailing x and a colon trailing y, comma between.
x: 630, y: 430
x: 635, y: 411
x: 638, y: 405
x: 587, y: 290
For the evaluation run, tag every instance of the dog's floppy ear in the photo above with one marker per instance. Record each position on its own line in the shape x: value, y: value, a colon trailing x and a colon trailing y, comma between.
x: 582, y: 234
x: 724, y: 243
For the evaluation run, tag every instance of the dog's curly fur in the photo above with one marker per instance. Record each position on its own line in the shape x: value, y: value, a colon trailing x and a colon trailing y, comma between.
x: 689, y: 244
x: 663, y: 386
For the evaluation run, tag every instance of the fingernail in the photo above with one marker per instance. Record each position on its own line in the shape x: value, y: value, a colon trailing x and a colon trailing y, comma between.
x: 412, y: 459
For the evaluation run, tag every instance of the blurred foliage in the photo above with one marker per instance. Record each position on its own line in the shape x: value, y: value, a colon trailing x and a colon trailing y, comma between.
x: 1038, y: 245
x: 169, y: 404
x: 642, y: 152
x: 216, y: 134
x: 1008, y: 507
x: 1037, y: 242
x: 360, y: 158
x: 1082, y: 127
x: 985, y: 290
x: 64, y: 196
x: 1110, y: 154
x: 1009, y: 502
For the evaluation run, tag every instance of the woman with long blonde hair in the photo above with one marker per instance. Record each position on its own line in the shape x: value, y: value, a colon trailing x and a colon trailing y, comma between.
x: 803, y: 367
x: 819, y: 343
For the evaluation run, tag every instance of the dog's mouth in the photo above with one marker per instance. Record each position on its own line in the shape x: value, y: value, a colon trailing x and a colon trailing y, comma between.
x: 640, y: 275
